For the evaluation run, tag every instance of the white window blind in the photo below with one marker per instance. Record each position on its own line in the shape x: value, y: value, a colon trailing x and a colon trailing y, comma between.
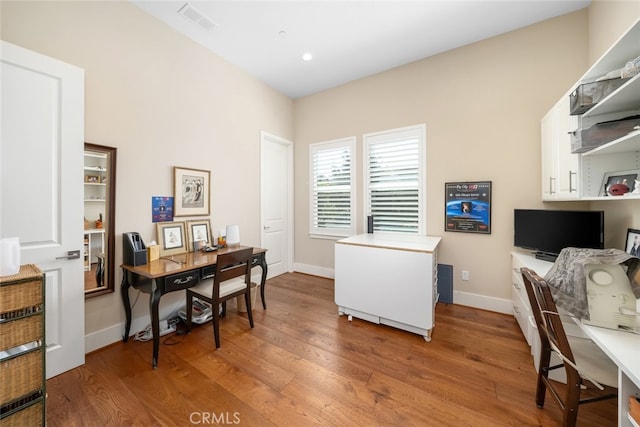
x: 394, y: 179
x: 332, y: 181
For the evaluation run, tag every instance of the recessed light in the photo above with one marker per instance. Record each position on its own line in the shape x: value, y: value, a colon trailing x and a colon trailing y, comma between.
x: 307, y: 56
x: 282, y: 33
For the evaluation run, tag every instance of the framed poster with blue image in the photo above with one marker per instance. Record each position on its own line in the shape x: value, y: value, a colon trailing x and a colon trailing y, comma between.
x: 468, y: 207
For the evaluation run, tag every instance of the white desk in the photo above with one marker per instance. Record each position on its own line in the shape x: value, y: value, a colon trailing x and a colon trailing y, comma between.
x: 623, y: 348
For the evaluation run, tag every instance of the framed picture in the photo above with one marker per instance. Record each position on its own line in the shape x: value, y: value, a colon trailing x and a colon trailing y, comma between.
x: 171, y: 238
x: 198, y: 231
x: 191, y: 190
x: 468, y: 207
x: 92, y: 179
x: 633, y: 242
x: 619, y: 183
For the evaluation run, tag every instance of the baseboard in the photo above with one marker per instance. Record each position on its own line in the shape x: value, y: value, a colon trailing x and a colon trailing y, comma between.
x: 314, y: 270
x: 483, y: 302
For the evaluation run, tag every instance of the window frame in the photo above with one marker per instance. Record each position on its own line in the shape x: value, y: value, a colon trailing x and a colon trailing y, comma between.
x: 330, y: 233
x: 415, y: 131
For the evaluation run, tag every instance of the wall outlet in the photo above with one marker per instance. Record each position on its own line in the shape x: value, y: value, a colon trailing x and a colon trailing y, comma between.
x: 465, y: 275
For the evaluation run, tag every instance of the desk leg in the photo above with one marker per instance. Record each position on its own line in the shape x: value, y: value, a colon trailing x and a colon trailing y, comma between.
x: 155, y: 320
x: 263, y: 265
x: 124, y: 293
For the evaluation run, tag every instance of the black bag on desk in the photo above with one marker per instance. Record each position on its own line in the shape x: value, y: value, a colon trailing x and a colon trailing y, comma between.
x: 134, y: 251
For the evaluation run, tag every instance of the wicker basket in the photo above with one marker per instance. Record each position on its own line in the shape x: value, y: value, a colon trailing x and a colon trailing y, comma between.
x: 20, y: 375
x: 29, y: 294
x: 31, y: 416
x: 21, y: 331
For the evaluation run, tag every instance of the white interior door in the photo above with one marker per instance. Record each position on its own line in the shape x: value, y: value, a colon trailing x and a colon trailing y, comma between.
x: 41, y: 163
x: 276, y: 180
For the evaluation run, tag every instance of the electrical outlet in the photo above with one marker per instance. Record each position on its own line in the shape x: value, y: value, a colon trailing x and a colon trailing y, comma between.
x: 465, y: 275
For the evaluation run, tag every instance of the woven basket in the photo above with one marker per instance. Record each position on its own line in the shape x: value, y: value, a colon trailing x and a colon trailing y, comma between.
x: 21, y: 331
x: 31, y: 416
x: 22, y: 290
x: 20, y: 376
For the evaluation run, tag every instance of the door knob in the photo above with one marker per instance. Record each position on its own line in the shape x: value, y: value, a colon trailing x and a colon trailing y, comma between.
x: 70, y: 255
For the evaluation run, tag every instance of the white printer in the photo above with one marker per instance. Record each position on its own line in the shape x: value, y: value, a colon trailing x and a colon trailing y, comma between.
x: 611, y: 301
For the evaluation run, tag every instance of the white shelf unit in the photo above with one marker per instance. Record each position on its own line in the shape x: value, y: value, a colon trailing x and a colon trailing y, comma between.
x: 589, y: 168
x: 95, y: 179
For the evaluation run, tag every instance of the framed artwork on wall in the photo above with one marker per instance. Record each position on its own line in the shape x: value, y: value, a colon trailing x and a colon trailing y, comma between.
x: 468, y: 207
x: 191, y: 191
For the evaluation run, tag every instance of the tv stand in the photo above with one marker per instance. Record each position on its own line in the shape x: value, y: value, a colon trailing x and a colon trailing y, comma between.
x: 546, y: 256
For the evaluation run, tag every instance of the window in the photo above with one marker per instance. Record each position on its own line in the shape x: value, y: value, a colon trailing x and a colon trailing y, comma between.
x: 394, y: 187
x: 332, y: 188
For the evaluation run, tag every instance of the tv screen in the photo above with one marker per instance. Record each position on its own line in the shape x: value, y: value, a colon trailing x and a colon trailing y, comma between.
x: 549, y: 231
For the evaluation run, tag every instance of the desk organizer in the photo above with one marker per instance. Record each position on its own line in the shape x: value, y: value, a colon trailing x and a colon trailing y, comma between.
x: 22, y: 348
x: 134, y: 251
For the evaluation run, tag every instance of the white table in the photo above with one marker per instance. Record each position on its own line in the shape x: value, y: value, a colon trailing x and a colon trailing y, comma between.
x: 388, y: 279
x: 623, y: 348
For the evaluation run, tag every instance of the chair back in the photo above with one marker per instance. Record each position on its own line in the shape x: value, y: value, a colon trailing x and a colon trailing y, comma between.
x: 548, y: 320
x: 233, y: 264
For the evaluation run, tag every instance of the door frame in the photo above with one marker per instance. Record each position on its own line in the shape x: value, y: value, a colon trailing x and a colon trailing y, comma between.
x: 267, y: 138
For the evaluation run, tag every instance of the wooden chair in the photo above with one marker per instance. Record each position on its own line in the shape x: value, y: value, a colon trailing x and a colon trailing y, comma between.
x: 232, y: 278
x: 581, y: 358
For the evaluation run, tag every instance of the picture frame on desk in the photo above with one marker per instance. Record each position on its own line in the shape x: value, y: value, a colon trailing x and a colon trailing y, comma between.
x: 171, y: 238
x: 191, y: 191
x: 632, y: 246
x: 198, y: 231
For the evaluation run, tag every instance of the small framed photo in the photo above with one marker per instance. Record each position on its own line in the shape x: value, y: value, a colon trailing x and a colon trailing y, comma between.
x: 619, y: 183
x: 191, y: 191
x: 92, y: 179
x: 198, y: 231
x: 171, y: 238
x: 632, y: 246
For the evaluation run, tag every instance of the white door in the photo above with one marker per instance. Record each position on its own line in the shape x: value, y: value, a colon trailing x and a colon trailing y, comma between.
x: 41, y: 165
x: 276, y: 181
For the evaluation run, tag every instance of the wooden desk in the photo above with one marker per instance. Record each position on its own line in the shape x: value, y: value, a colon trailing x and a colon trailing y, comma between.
x: 175, y: 273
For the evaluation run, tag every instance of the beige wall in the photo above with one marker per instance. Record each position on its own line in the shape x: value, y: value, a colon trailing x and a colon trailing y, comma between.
x: 482, y: 106
x: 162, y: 100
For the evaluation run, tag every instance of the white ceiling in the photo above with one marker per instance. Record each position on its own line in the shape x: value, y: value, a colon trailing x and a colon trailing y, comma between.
x: 348, y: 39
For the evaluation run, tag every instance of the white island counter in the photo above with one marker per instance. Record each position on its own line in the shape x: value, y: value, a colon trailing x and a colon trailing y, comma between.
x: 389, y: 279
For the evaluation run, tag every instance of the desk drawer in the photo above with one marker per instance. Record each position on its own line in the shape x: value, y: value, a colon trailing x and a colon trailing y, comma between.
x: 181, y: 281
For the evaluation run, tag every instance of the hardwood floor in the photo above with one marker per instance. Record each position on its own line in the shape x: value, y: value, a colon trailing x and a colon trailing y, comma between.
x: 304, y: 365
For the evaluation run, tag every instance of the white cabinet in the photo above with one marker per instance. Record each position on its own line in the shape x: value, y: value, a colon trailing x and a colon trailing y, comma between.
x: 560, y: 167
x: 567, y: 176
x: 388, y: 279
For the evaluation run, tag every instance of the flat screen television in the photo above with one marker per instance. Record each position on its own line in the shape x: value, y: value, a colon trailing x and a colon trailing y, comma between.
x: 549, y: 231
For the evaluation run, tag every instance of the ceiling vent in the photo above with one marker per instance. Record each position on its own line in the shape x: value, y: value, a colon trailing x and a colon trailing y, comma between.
x: 197, y: 17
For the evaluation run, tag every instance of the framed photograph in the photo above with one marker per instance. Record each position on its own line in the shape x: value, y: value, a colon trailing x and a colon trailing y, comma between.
x: 633, y: 242
x: 619, y: 183
x: 468, y: 207
x: 92, y: 179
x: 171, y: 238
x: 198, y: 231
x: 191, y: 190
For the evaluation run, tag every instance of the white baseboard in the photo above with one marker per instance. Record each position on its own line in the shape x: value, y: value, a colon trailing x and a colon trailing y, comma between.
x: 483, y: 302
x: 314, y: 270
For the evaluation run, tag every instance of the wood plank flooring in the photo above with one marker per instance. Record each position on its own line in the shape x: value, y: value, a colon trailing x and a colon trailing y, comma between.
x: 303, y: 365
